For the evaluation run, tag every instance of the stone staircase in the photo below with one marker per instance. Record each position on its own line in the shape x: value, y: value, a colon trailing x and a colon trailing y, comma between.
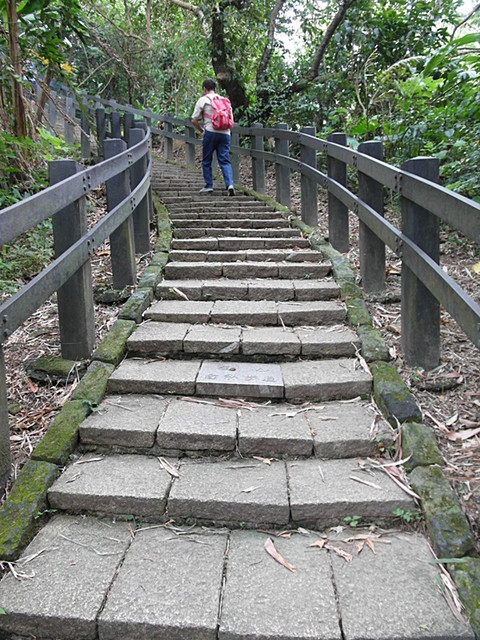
x: 214, y: 486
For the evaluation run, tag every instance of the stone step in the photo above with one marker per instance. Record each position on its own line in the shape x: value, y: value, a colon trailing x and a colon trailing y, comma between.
x: 217, y: 199
x: 248, y: 312
x: 247, y: 289
x: 99, y: 578
x: 223, y: 215
x: 238, y: 223
x: 255, y: 255
x: 312, y: 380
x: 162, y: 425
x: 229, y: 342
x: 246, y: 269
x: 237, y: 492
x: 236, y: 243
x: 233, y: 232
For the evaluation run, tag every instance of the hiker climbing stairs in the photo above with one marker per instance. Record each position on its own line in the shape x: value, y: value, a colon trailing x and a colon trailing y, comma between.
x: 210, y: 495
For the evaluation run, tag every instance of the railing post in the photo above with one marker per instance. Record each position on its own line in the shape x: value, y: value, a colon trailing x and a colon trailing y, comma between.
x: 115, y: 124
x: 128, y: 123
x: 189, y: 145
x: 122, y: 247
x: 141, y: 217
x: 5, y: 455
x: 420, y: 309
x: 168, y: 141
x: 282, y: 174
x: 234, y: 156
x: 85, y: 130
x: 258, y: 164
x: 372, y: 249
x: 101, y: 128
x: 69, y: 112
x: 76, y: 314
x: 308, y: 187
x: 337, y: 211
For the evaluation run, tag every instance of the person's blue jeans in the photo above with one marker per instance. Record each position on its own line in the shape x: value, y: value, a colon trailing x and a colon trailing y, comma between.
x: 219, y: 142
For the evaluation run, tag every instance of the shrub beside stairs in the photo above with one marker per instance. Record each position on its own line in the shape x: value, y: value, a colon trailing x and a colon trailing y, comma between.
x: 230, y: 485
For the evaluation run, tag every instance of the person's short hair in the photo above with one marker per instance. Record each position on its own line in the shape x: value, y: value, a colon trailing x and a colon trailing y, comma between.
x: 209, y: 84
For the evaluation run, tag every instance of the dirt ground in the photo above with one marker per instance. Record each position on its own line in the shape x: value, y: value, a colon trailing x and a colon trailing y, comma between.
x: 449, y: 396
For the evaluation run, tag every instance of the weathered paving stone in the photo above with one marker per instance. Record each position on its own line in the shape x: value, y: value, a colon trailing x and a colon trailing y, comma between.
x: 306, y: 290
x: 325, y: 380
x: 194, y: 426
x: 125, y: 421
x: 303, y: 270
x: 244, y: 312
x: 169, y: 376
x: 270, y: 290
x: 187, y: 244
x: 320, y: 342
x: 394, y: 593
x: 277, y: 430
x: 74, y: 563
x: 253, y: 380
x: 234, y: 244
x: 179, y: 311
x: 311, y: 313
x: 264, y: 600
x: 158, y: 337
x: 120, y: 484
x: 234, y: 492
x: 225, y: 290
x: 212, y: 339
x: 345, y: 430
x: 168, y: 587
x: 322, y: 492
x: 178, y: 270
x: 271, y: 341
x: 250, y: 270
x: 169, y: 290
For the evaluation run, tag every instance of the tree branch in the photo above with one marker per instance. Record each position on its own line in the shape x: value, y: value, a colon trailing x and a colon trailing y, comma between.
x: 267, y: 52
x: 464, y: 21
x: 195, y: 10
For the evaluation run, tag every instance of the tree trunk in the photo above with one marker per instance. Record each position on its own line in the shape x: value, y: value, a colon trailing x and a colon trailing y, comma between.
x: 20, y: 125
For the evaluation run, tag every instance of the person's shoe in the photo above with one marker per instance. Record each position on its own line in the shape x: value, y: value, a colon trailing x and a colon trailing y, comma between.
x: 231, y: 190
x: 206, y: 190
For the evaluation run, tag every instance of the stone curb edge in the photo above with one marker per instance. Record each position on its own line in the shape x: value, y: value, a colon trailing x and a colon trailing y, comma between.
x: 23, y: 511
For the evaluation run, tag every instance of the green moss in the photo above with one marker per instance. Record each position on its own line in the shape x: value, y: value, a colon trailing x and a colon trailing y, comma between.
x: 446, y: 523
x: 348, y: 289
x: 357, y: 312
x: 113, y: 346
x: 27, y: 499
x: 61, y: 438
x: 373, y: 344
x: 138, y: 302
x: 93, y: 385
x: 160, y: 259
x: 341, y: 269
x: 467, y: 580
x: 420, y: 446
x: 392, y: 395
x: 151, y: 277
x: 54, y: 367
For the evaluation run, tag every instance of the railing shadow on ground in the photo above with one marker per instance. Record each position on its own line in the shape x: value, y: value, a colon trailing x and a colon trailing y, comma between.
x: 356, y: 181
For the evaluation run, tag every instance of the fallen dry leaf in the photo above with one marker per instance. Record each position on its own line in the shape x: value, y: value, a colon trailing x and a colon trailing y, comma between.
x: 340, y: 552
x: 320, y: 543
x: 249, y: 489
x: 169, y: 468
x: 264, y: 460
x: 460, y: 436
x: 270, y: 549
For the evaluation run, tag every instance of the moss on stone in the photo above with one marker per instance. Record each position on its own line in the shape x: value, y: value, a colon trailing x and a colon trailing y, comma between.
x: 150, y: 277
x: 138, y: 302
x: 373, y: 345
x: 113, y: 346
x: 54, y: 368
x: 467, y: 579
x: 446, y: 523
x: 160, y: 259
x: 420, y: 446
x: 93, y: 385
x: 61, y: 438
x: 342, y: 270
x: 392, y: 395
x: 357, y: 312
x: 26, y: 501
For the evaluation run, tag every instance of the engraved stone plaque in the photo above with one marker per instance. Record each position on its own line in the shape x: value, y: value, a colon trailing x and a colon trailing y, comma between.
x: 249, y: 379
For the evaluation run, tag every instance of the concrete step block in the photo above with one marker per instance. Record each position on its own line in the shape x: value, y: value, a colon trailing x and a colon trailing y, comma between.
x: 141, y: 376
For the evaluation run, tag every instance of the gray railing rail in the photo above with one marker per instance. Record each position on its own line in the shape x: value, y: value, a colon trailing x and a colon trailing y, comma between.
x: 69, y: 274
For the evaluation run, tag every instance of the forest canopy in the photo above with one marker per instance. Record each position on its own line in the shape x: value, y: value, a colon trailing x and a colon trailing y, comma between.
x: 401, y: 71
